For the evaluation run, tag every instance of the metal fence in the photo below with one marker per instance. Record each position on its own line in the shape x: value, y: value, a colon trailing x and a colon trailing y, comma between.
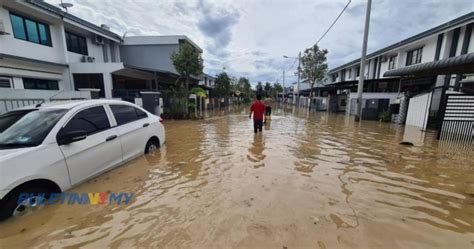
x: 7, y: 105
x: 458, y: 119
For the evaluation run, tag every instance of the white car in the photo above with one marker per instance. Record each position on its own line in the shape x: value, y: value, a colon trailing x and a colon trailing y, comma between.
x: 52, y: 147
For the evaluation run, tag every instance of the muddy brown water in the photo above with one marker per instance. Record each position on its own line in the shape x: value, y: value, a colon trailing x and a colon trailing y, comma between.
x: 311, y: 180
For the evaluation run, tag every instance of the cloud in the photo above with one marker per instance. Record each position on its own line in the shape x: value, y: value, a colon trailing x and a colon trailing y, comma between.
x: 216, y: 23
x: 249, y: 38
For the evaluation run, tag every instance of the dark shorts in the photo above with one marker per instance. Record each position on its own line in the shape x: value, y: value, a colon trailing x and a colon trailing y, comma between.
x: 257, y: 125
x: 268, y: 110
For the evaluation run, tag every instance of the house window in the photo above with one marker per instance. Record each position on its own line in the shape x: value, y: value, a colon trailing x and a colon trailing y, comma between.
x: 29, y: 30
x: 343, y: 102
x: 5, y: 82
x: 334, y: 77
x: 357, y: 71
x: 414, y: 56
x: 392, y: 62
x: 40, y: 84
x: 92, y: 80
x: 76, y: 43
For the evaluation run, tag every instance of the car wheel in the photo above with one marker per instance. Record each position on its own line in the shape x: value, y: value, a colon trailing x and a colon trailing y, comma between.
x: 151, y: 146
x: 10, y: 206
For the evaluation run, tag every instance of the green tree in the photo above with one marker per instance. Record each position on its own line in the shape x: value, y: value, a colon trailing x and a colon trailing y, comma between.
x: 188, y: 61
x: 268, y: 89
x: 223, y: 85
x: 245, y: 89
x: 199, y: 92
x: 259, y: 88
x: 234, y: 84
x: 277, y: 88
x: 314, y: 66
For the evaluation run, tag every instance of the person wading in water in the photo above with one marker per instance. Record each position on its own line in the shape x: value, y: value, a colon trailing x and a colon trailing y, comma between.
x: 258, y: 109
x: 268, y: 109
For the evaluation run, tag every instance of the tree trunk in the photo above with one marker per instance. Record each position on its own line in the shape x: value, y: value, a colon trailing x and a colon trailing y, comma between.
x: 202, y: 106
x: 196, y: 107
x: 186, y: 91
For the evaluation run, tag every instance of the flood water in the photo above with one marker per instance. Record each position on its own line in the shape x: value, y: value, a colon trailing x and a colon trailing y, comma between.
x: 311, y: 180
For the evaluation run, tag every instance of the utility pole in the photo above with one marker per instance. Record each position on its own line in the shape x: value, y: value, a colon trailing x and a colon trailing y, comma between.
x: 283, y: 97
x: 298, y: 87
x: 360, y: 86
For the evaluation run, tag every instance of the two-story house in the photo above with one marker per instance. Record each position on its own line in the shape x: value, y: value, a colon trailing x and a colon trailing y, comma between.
x: 384, y: 80
x: 43, y: 49
x: 207, y: 81
x: 151, y: 54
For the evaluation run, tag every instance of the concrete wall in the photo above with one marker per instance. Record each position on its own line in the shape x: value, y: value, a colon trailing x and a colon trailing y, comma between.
x: 18, y: 69
x: 10, y: 45
x: 48, y: 56
x: 57, y: 53
x: 149, y: 56
x: 93, y: 49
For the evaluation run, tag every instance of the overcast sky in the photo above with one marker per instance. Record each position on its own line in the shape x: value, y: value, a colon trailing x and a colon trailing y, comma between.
x: 250, y: 37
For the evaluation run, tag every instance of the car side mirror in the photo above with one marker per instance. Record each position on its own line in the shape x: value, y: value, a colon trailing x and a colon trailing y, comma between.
x: 71, y: 137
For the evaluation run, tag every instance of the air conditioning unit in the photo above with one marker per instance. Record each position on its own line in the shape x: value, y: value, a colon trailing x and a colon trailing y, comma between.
x: 2, y: 28
x: 99, y: 40
x: 88, y: 59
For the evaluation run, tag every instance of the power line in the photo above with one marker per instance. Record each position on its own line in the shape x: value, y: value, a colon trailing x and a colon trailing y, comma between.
x: 330, y: 27
x: 294, y: 62
x: 334, y: 22
x: 289, y: 68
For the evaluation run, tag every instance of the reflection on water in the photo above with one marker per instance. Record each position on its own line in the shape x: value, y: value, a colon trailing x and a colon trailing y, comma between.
x: 256, y: 151
x: 310, y: 180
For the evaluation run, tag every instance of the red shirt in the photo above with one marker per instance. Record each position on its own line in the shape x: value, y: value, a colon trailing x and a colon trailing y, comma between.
x: 258, y: 108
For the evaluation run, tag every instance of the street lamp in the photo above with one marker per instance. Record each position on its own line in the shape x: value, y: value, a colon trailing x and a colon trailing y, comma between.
x: 298, y: 86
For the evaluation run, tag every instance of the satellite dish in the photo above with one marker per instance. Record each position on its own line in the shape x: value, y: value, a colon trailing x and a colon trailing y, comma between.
x: 66, y: 4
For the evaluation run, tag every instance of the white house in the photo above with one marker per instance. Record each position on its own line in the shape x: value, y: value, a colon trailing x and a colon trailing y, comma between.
x: 207, y: 81
x: 446, y: 40
x: 43, y: 49
x: 150, y: 56
x: 391, y: 71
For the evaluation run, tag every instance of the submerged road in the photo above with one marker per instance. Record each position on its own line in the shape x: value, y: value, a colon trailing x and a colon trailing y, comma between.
x: 311, y: 180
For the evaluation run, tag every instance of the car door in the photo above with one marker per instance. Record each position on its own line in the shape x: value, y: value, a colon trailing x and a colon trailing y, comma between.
x: 100, y: 150
x: 132, y: 125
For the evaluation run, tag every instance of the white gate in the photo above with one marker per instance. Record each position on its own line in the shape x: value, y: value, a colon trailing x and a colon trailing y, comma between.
x: 458, y: 119
x: 418, y: 111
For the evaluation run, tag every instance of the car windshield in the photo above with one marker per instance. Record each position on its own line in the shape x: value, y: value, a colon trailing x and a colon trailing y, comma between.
x: 31, y: 129
x: 9, y: 118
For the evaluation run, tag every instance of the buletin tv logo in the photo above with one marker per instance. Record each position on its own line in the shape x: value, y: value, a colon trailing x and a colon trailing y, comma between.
x: 73, y: 198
